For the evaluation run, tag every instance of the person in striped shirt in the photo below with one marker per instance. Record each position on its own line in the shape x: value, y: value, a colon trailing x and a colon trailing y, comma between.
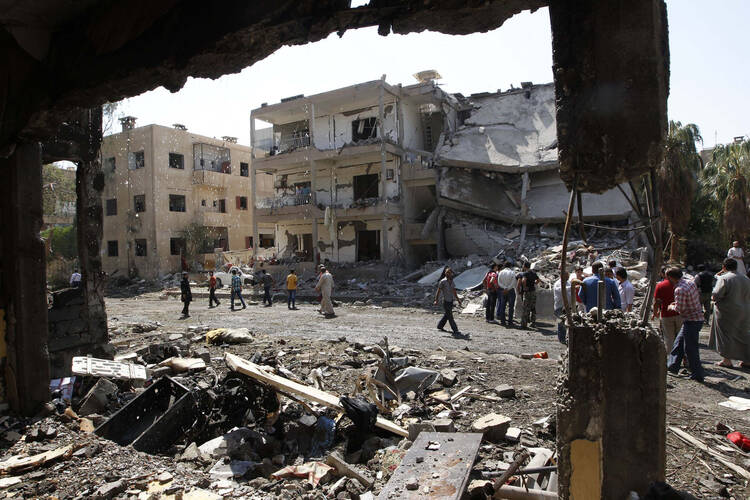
x: 687, y: 303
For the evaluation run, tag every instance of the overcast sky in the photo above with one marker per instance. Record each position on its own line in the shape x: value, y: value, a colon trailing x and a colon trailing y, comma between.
x: 709, y: 73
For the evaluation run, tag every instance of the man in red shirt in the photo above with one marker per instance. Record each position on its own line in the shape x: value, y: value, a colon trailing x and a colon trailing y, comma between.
x: 687, y: 302
x: 212, y: 290
x: 490, y: 287
x: 671, y: 321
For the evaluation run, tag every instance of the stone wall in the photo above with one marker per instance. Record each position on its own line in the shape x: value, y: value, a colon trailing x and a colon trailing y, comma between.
x: 70, y: 334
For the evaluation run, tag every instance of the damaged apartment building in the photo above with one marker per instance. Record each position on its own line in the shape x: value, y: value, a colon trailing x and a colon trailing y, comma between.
x: 161, y: 183
x: 390, y: 172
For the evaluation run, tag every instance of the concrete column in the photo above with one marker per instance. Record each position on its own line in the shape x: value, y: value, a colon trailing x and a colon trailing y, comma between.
x: 253, y: 193
x: 316, y: 250
x: 611, y: 412
x: 23, y: 282
x: 610, y: 62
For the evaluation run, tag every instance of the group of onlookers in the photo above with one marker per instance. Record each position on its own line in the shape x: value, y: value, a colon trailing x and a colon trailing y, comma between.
x: 324, y: 287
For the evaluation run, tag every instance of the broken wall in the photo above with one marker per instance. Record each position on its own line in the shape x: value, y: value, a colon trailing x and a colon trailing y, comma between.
x: 334, y: 131
x: 483, y: 193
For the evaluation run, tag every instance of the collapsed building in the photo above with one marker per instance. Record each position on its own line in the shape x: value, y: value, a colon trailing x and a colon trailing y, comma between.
x: 367, y: 172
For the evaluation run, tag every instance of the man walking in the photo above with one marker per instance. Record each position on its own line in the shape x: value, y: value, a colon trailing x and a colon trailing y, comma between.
x: 291, y: 290
x: 671, y: 321
x: 527, y: 289
x: 75, y: 279
x: 590, y: 290
x: 687, y: 303
x: 704, y: 280
x: 268, y: 282
x: 738, y: 255
x: 506, y: 294
x: 448, y: 290
x: 627, y: 292
x: 236, y: 290
x: 212, y: 290
x: 186, y: 296
x: 325, y: 287
x: 730, y: 327
x: 490, y: 288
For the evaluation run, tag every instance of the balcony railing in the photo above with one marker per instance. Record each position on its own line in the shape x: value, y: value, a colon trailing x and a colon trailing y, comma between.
x: 292, y: 200
x: 287, y: 144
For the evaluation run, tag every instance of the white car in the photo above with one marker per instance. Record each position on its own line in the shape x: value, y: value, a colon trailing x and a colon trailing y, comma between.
x: 225, y: 278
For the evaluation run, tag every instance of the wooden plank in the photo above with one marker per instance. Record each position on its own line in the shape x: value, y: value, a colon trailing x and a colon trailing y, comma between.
x: 451, y: 463
x: 460, y: 393
x: 723, y: 459
x: 295, y: 389
x: 345, y: 469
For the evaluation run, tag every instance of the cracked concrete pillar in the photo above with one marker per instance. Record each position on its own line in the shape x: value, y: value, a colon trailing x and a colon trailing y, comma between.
x: 611, y: 415
x: 611, y: 70
x: 23, y: 280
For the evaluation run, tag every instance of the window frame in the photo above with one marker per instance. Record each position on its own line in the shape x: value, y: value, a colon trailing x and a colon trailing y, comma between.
x: 176, y: 197
x: 140, y: 243
x: 116, y: 247
x: 181, y: 162
x: 107, y: 211
x: 136, y: 198
x: 177, y: 243
x: 244, y: 169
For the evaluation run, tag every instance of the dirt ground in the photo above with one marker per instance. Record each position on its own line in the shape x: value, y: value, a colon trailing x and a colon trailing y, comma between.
x: 302, y: 340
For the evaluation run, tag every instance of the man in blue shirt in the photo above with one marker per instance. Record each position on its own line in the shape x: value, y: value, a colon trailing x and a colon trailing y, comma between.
x: 236, y: 290
x: 589, y: 290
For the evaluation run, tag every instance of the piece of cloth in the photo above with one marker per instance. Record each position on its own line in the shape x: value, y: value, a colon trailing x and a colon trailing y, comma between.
x: 530, y: 278
x: 490, y: 281
x: 687, y: 301
x: 291, y: 301
x: 738, y: 255
x: 489, y: 311
x: 627, y: 294
x: 448, y: 317
x: 665, y: 293
x: 447, y: 288
x: 506, y: 279
x: 291, y: 282
x: 557, y: 294
x: 506, y: 302
x: 686, y: 344
x: 325, y: 287
x: 236, y: 283
x: 670, y: 326
x: 704, y: 280
x: 236, y: 294
x: 589, y: 291
x: 730, y: 325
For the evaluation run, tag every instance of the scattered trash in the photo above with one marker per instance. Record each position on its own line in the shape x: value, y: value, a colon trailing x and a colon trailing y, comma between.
x: 229, y: 336
x: 314, y: 472
x: 85, y: 365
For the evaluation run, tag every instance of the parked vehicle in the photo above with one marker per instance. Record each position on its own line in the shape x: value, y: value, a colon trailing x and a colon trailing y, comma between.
x: 225, y: 277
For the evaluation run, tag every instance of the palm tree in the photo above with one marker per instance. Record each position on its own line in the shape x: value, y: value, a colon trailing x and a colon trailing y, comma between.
x: 726, y: 179
x: 677, y: 179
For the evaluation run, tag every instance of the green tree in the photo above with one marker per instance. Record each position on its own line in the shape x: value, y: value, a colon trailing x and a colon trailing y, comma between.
x: 62, y: 242
x: 58, y: 186
x: 725, y: 182
x: 677, y: 178
x: 198, y: 238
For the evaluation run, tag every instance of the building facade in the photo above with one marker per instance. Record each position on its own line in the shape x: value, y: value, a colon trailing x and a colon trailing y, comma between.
x: 347, y: 167
x: 173, y: 198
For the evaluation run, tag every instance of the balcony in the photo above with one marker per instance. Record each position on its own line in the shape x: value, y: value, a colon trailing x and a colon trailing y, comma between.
x: 211, y: 178
x: 418, y: 173
x: 212, y: 218
x: 287, y: 207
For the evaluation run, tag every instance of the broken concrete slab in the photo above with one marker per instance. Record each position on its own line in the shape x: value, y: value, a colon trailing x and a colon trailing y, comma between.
x: 439, y: 473
x: 98, y: 397
x: 470, y: 279
x: 448, y: 377
x: 505, y: 391
x: 492, y: 427
x: 416, y: 428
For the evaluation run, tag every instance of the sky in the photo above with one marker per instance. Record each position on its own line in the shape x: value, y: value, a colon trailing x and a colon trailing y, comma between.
x: 709, y: 74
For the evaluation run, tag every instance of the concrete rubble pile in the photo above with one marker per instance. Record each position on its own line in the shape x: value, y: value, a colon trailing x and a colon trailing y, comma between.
x: 268, y: 418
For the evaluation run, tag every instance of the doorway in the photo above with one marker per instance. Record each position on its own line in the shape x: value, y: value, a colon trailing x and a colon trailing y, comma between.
x: 368, y: 245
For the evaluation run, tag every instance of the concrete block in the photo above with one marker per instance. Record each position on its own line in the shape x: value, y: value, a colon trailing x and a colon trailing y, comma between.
x: 442, y: 425
x: 97, y: 399
x: 417, y: 428
x: 505, y: 391
x: 492, y: 427
x: 448, y: 377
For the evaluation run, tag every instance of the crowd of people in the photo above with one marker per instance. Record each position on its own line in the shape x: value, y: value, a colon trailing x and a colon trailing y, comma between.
x: 324, y: 287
